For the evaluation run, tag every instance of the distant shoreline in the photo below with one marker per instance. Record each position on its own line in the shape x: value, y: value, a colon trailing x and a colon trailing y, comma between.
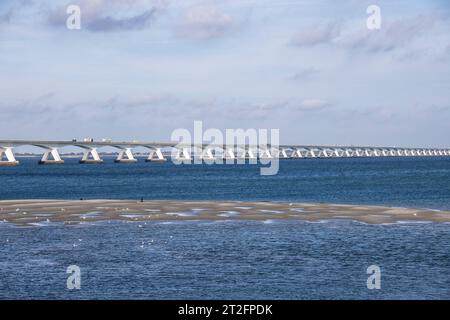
x: 30, y: 212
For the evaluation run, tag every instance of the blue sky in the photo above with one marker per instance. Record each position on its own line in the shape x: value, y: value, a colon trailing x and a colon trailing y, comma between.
x: 138, y: 69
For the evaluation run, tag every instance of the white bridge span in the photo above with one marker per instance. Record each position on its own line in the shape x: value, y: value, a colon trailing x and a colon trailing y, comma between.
x: 206, y: 151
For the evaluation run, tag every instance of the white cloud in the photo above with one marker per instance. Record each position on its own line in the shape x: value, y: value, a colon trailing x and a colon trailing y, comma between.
x: 112, y: 15
x: 203, y: 23
x: 305, y: 74
x: 393, y: 35
x: 313, y: 104
x: 316, y: 35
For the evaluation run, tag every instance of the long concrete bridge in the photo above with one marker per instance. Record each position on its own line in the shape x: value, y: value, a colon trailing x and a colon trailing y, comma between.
x: 209, y: 152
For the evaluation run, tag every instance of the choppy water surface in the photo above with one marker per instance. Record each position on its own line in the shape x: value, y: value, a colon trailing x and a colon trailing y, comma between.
x: 231, y: 260
x: 407, y: 182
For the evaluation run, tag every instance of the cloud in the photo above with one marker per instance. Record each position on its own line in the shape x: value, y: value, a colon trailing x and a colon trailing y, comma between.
x: 5, y: 17
x: 204, y: 23
x: 10, y: 9
x: 317, y: 35
x: 132, y: 23
x: 112, y: 15
x: 312, y: 104
x: 163, y: 108
x: 305, y: 74
x: 392, y: 35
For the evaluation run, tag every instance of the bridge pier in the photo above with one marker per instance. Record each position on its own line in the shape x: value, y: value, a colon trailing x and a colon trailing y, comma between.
x: 228, y: 155
x: 125, y: 156
x: 247, y: 155
x: 282, y: 154
x: 296, y: 154
x: 155, y: 155
x: 91, y: 156
x: 183, y: 155
x: 265, y: 154
x: 337, y: 154
x: 51, y: 153
x: 312, y: 154
x: 207, y: 156
x: 10, y: 159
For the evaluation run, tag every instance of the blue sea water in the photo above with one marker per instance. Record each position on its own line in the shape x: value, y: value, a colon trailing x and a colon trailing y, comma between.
x: 226, y: 260
x: 407, y: 182
x: 231, y: 260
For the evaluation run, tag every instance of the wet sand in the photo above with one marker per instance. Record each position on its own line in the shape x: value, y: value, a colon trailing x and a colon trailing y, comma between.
x: 32, y: 212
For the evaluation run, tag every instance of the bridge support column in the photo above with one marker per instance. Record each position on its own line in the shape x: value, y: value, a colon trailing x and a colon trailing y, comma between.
x: 282, y: 154
x: 207, y: 156
x: 183, y: 155
x: 90, y: 156
x: 322, y: 153
x: 10, y: 159
x: 228, y: 155
x: 125, y: 156
x: 247, y: 155
x: 265, y: 154
x: 51, y: 153
x: 155, y: 156
x: 296, y: 154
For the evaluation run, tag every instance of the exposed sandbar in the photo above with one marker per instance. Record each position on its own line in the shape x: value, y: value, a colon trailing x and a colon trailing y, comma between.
x: 30, y: 212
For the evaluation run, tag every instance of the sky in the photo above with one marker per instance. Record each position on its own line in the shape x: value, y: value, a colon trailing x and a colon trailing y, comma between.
x: 139, y: 69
